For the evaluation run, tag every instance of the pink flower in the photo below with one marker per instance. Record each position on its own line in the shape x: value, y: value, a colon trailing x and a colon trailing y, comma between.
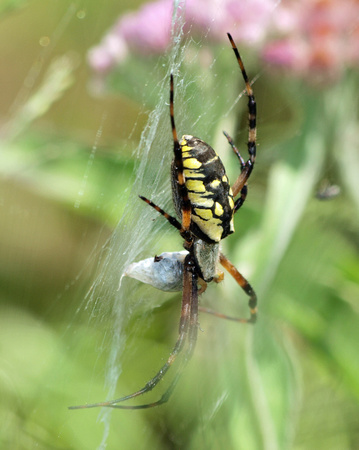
x: 112, y: 50
x: 148, y: 30
x: 248, y: 22
x: 317, y: 37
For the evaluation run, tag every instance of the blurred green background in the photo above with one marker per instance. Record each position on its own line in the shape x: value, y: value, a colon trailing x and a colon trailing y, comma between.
x: 66, y: 172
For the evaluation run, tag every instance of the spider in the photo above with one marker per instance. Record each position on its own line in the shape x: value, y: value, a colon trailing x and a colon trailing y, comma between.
x: 205, y: 204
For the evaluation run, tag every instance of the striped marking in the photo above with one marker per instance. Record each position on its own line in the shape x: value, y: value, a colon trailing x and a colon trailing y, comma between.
x: 230, y: 201
x: 185, y: 148
x: 193, y: 174
x: 202, y: 200
x: 212, y: 228
x: 195, y: 186
x: 191, y: 163
x: 205, y: 214
x: 210, y: 161
x: 208, y: 190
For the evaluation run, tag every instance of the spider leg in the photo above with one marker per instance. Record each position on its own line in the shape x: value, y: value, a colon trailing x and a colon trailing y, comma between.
x: 192, y: 339
x: 178, y: 167
x: 235, y: 149
x: 203, y: 285
x: 220, y: 315
x: 247, y: 289
x: 244, y: 285
x: 172, y: 220
x: 187, y: 331
x: 239, y: 202
x: 252, y: 109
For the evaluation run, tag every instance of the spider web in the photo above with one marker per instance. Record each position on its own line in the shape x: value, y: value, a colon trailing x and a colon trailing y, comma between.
x: 130, y: 243
x: 140, y: 232
x: 118, y: 298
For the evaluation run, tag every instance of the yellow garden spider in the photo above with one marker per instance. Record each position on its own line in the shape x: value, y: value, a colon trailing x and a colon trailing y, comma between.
x: 205, y: 204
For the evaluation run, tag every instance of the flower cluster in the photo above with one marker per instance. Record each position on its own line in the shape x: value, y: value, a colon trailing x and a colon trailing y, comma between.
x: 315, y: 37
x: 148, y: 31
x: 304, y: 36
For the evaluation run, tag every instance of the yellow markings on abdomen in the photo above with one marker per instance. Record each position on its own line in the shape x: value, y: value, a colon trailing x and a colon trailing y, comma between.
x: 218, y: 209
x: 191, y: 163
x: 205, y: 214
x: 185, y: 148
x: 200, y: 200
x: 210, y: 161
x: 212, y: 228
x: 208, y: 190
x: 214, y: 184
x: 193, y: 174
x: 230, y: 201
x: 195, y: 186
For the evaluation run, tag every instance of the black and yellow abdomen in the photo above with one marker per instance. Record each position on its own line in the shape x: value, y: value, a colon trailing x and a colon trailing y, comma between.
x: 210, y: 194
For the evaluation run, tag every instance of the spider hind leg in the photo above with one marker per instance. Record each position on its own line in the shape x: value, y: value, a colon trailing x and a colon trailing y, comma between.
x: 252, y: 303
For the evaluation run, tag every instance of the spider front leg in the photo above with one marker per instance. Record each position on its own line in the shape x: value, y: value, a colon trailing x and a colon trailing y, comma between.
x: 172, y: 220
x: 252, y: 132
x: 188, y: 329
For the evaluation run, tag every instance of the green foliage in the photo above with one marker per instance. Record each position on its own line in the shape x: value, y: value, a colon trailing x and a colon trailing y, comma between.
x: 9, y: 6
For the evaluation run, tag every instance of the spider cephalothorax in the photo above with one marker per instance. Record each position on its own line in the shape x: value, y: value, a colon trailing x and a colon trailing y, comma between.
x: 205, y: 204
